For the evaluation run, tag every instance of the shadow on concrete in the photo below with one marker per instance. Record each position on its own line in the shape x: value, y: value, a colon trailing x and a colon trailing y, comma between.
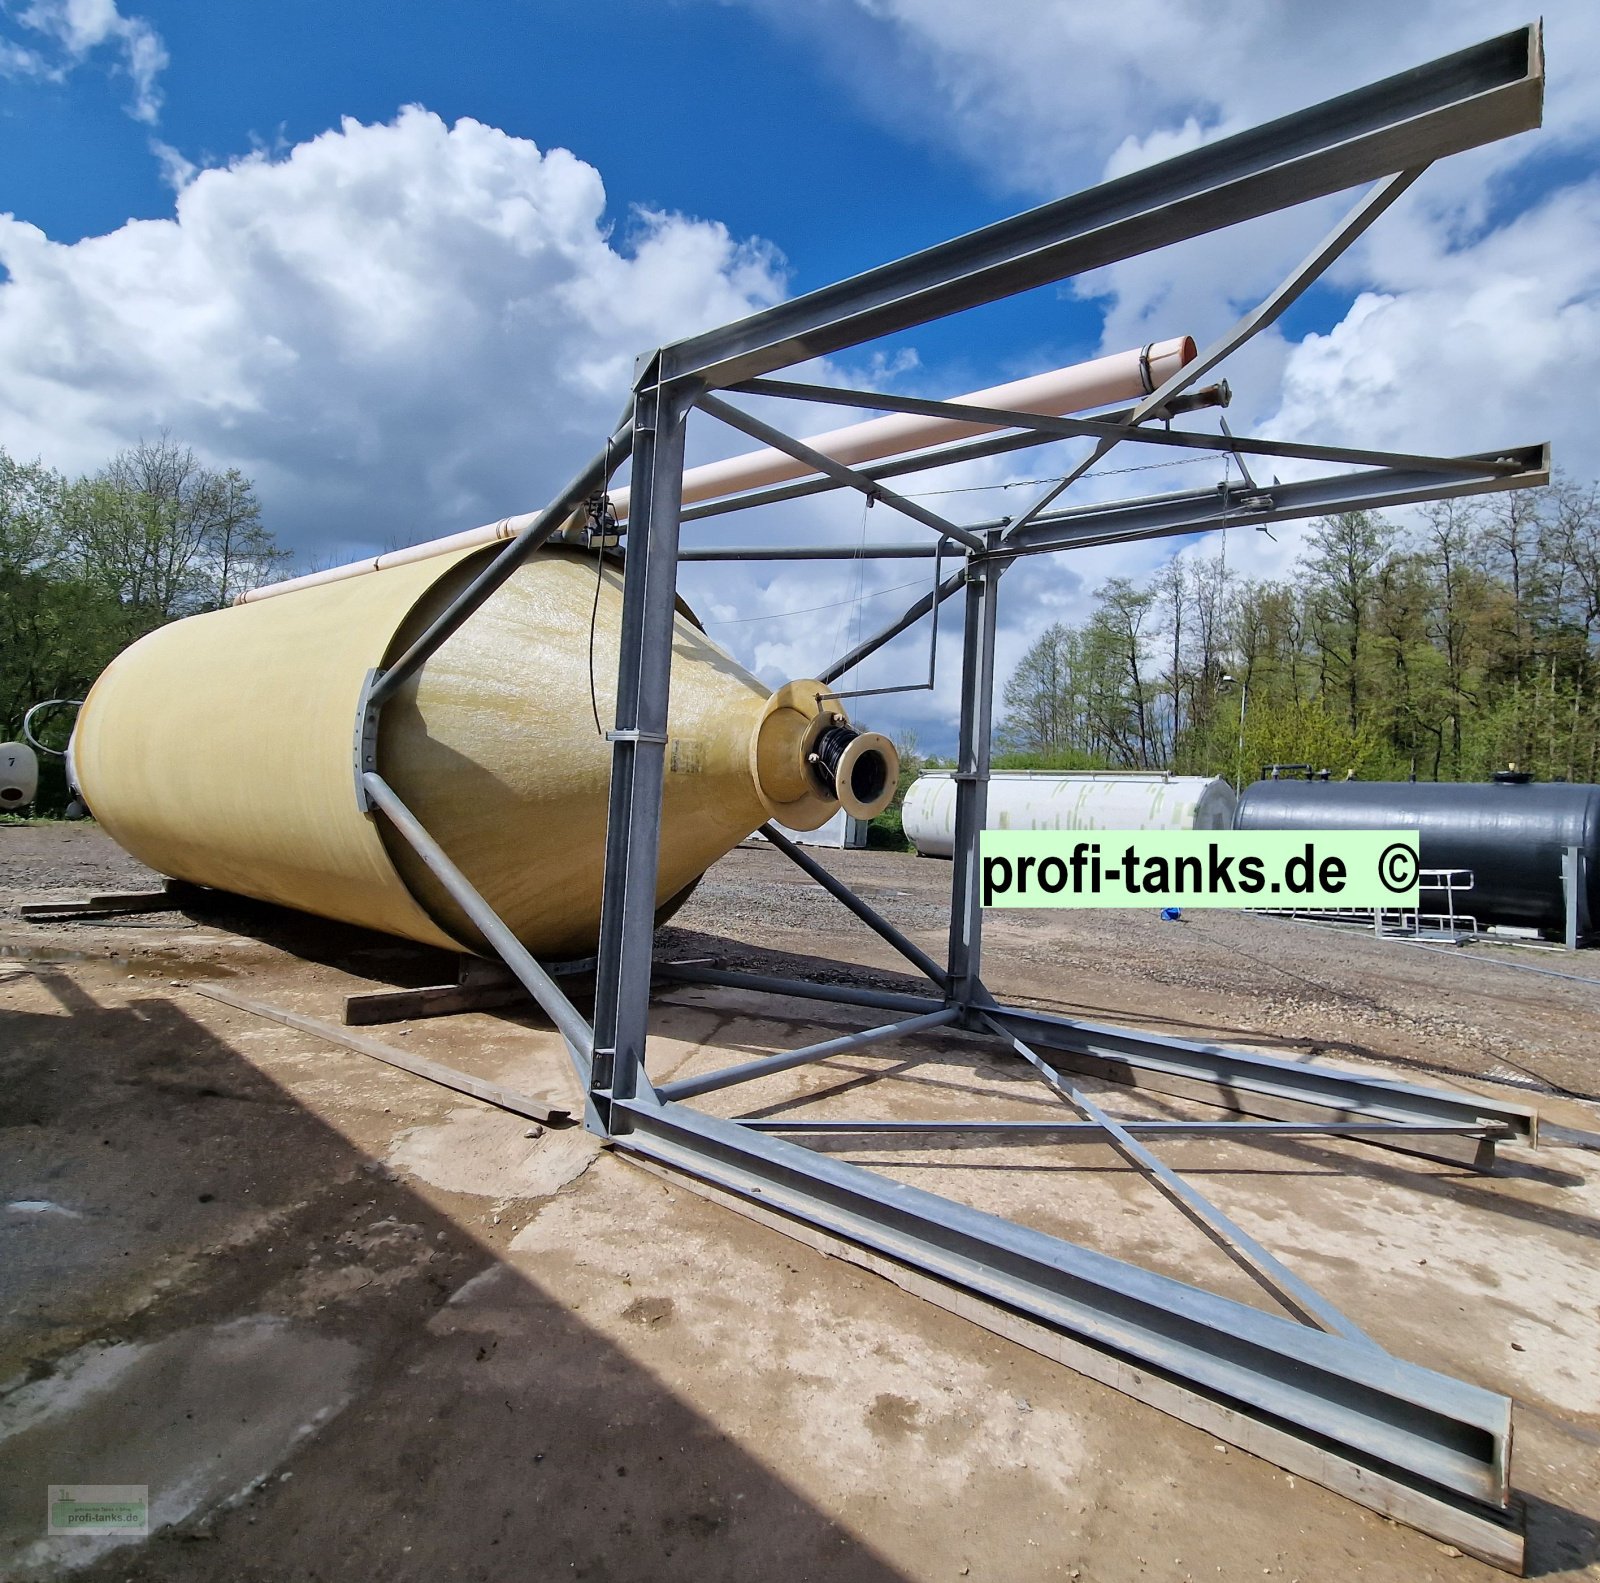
x: 364, y: 953
x: 191, y: 1194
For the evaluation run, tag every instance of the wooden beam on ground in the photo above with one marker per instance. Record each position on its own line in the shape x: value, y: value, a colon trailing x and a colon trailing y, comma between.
x: 167, y: 899
x: 480, y: 986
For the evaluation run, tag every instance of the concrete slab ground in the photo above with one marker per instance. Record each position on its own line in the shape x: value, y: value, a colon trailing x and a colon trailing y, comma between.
x: 345, y: 1324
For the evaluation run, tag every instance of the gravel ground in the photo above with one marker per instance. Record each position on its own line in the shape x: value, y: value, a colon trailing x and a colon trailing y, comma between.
x: 49, y: 861
x: 1525, y: 1017
x: 1517, y: 1015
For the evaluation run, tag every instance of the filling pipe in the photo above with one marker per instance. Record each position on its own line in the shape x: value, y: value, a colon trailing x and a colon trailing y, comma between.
x: 1124, y: 376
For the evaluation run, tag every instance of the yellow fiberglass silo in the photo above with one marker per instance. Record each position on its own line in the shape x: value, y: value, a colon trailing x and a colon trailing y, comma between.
x: 221, y: 750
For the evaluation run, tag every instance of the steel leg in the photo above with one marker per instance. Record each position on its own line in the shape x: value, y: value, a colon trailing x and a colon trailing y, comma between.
x: 638, y: 753
x: 972, y: 781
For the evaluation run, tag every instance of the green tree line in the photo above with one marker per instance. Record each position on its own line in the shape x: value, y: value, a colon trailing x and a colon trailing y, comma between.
x: 1448, y: 648
x: 89, y: 564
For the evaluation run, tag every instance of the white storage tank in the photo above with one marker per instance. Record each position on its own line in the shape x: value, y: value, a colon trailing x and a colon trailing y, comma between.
x: 843, y: 831
x: 19, y: 776
x: 1069, y: 800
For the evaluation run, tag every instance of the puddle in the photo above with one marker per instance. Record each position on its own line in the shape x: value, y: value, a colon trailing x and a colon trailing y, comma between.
x: 200, y: 1418
x: 12, y: 951
x: 158, y: 964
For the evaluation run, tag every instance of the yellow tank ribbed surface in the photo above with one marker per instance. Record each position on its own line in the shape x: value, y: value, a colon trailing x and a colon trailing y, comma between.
x: 220, y: 750
x: 497, y: 750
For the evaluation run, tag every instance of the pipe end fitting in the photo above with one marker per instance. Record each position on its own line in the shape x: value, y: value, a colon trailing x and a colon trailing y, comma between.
x: 865, y: 770
x: 808, y: 761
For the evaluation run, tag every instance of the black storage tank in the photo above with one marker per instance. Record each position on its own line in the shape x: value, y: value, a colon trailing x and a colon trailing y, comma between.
x: 1510, y: 832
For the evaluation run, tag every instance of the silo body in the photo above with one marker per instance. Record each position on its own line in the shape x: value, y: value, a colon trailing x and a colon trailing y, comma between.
x: 1068, y: 800
x: 221, y: 750
x: 1510, y: 834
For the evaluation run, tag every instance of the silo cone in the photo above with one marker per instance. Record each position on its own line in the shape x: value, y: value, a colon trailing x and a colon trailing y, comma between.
x: 220, y: 750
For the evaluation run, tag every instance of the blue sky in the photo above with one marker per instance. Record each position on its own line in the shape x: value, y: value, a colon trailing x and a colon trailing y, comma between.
x: 224, y: 220
x: 692, y: 107
x: 681, y: 105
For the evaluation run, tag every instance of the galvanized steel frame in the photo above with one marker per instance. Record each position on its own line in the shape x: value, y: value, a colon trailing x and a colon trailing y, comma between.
x: 1318, y: 1398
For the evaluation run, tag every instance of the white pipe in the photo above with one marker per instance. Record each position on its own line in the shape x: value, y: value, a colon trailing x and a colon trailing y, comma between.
x: 1124, y: 376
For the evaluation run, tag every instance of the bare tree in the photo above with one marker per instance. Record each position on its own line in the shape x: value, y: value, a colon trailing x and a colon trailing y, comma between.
x: 1117, y: 632
x: 166, y: 535
x: 1039, y: 713
x: 1346, y: 554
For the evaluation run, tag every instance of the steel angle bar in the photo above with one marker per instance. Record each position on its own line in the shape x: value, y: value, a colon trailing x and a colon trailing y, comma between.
x: 1489, y: 467
x: 1202, y: 510
x: 841, y: 892
x: 1459, y: 101
x: 841, y: 474
x: 1258, y: 1084
x: 1392, y: 1434
x: 1181, y: 512
x: 1276, y: 1276
x: 934, y: 599
x: 902, y: 623
x: 1092, y: 1131
x: 549, y: 521
x: 810, y: 552
x: 1062, y: 485
x: 529, y: 1105
x: 840, y: 994
x: 1282, y: 297
x: 1110, y: 430
x: 726, y: 1077
x: 1051, y: 426
x: 638, y: 746
x: 1199, y: 510
x: 569, y: 1021
x: 965, y: 942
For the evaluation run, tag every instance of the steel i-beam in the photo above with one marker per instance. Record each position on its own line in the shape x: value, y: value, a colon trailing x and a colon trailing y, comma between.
x: 1460, y: 101
x: 1414, y: 1444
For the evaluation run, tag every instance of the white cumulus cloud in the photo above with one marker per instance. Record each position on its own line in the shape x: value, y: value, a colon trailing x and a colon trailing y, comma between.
x: 399, y: 329
x: 1043, y: 97
x: 68, y: 32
